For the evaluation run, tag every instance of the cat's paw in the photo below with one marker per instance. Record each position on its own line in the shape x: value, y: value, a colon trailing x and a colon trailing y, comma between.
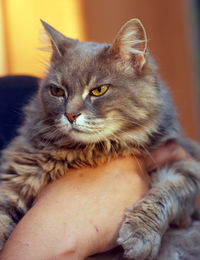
x: 139, y: 240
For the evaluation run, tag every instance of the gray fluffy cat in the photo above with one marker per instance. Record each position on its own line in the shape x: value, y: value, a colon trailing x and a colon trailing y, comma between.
x: 100, y: 101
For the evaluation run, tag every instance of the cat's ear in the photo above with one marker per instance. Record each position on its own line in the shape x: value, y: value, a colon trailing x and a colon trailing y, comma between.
x: 59, y: 42
x: 131, y: 43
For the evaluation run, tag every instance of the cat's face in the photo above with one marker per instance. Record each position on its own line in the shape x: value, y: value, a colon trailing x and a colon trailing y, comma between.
x: 95, y: 92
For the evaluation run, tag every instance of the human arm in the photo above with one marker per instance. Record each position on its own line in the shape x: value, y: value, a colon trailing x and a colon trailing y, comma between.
x: 73, y: 212
x: 81, y: 214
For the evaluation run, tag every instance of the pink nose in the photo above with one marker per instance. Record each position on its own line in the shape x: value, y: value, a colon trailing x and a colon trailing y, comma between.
x: 72, y: 116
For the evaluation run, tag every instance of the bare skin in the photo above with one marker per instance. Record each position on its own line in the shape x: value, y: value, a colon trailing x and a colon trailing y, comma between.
x: 80, y: 214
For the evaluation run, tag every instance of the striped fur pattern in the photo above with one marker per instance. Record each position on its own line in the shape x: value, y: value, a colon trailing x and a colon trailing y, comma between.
x: 133, y: 116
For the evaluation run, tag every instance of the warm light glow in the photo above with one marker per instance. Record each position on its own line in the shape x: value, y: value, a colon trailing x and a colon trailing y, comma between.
x: 2, y: 47
x: 23, y: 27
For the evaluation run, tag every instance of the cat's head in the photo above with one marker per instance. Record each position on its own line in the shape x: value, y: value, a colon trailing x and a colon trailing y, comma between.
x: 95, y: 92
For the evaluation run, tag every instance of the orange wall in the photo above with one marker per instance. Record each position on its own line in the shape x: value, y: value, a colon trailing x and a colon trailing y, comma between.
x: 2, y: 46
x: 23, y: 27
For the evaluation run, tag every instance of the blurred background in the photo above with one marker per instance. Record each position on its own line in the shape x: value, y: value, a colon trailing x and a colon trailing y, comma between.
x: 173, y: 30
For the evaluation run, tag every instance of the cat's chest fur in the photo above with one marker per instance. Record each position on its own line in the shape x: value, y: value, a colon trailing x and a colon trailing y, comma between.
x: 59, y: 161
x: 52, y: 162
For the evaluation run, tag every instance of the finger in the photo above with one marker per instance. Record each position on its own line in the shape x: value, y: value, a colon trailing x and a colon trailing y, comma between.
x: 165, y: 154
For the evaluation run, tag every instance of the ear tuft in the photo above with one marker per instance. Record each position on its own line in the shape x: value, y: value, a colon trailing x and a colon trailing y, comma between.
x: 58, y: 41
x: 131, y: 43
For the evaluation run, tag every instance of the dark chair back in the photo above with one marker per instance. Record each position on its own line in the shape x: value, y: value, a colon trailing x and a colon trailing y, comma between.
x: 15, y: 91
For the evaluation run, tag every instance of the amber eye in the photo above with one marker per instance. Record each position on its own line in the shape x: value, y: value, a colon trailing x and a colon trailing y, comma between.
x: 56, y: 91
x: 100, y: 90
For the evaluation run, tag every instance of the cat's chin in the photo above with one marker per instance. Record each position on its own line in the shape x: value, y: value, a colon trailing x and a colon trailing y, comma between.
x: 84, y: 137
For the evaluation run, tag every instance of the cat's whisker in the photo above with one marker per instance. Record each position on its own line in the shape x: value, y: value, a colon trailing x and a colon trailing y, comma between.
x: 142, y: 146
x: 138, y: 162
x: 52, y: 135
x: 43, y: 131
x: 101, y: 136
x: 47, y: 133
x: 42, y: 125
x: 149, y: 154
x: 126, y: 120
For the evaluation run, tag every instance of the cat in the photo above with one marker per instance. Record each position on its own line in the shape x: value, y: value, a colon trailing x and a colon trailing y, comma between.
x: 99, y: 101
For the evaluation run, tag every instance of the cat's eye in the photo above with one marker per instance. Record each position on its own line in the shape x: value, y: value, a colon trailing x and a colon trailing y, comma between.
x: 100, y: 90
x: 57, y: 91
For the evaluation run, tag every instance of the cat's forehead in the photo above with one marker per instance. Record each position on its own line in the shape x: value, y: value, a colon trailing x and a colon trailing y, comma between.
x: 87, y: 57
x: 90, y: 48
x: 83, y: 62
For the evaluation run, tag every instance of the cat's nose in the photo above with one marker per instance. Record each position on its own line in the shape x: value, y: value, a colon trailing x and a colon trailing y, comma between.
x: 72, y: 116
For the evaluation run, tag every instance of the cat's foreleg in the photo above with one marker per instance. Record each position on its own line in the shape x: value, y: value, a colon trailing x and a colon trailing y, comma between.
x: 171, y: 198
x: 181, y: 243
x: 12, y: 209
